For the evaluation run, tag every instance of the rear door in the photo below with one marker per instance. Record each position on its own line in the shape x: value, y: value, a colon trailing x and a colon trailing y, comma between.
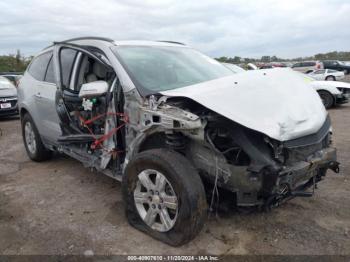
x: 47, y: 94
x: 35, y: 91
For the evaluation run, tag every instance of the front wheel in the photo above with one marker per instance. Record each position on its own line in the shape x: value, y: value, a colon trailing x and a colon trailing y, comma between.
x: 327, y: 99
x: 330, y: 78
x: 164, y: 196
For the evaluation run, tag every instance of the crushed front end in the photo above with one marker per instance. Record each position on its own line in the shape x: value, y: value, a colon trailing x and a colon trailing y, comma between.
x: 263, y: 171
x: 343, y: 98
x: 256, y: 169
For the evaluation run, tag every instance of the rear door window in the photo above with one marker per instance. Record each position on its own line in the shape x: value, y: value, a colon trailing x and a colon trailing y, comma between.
x: 50, y: 73
x: 39, y: 65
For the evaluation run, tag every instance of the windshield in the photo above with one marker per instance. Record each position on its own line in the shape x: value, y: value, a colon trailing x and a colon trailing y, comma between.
x: 5, y: 84
x: 156, y: 68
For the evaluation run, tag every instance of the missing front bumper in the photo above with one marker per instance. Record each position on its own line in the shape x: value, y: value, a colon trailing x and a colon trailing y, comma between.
x: 301, y: 172
x: 291, y: 181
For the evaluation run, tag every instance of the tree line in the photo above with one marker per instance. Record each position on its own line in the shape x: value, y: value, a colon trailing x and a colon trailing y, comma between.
x: 14, y: 62
x: 18, y: 63
x: 342, y: 56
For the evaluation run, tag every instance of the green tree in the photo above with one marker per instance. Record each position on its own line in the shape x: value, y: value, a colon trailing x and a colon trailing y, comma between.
x: 14, y: 63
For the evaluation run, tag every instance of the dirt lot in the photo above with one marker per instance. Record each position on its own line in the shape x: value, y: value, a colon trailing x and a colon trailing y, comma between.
x: 58, y: 207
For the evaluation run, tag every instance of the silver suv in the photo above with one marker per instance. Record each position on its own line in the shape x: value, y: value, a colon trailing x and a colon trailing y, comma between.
x: 166, y: 120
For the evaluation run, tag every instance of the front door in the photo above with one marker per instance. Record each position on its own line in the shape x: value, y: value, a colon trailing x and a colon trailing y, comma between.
x: 69, y: 76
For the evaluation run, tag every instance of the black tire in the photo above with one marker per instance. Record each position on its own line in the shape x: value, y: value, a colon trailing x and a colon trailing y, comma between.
x: 327, y: 99
x: 41, y: 153
x: 330, y: 78
x: 189, y: 189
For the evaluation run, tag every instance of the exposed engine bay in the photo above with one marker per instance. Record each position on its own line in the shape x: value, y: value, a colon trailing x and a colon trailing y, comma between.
x: 258, y: 169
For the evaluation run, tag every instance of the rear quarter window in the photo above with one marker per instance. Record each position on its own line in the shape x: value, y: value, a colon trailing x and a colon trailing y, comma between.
x: 39, y: 65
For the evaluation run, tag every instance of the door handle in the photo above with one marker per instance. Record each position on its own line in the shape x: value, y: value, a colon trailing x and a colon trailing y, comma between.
x: 38, y: 95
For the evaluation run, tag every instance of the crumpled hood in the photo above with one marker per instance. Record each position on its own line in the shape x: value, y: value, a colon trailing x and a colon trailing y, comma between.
x: 277, y: 102
x: 8, y: 92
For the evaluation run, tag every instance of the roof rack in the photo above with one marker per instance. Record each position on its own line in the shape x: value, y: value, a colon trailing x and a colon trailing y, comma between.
x: 89, y: 38
x: 171, y: 42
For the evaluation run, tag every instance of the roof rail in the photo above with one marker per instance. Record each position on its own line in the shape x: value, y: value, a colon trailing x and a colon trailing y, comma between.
x: 89, y: 38
x: 171, y: 42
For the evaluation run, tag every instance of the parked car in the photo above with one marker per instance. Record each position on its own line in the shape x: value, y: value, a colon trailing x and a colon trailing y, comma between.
x: 271, y: 65
x: 337, y: 65
x: 162, y: 118
x: 266, y: 66
x: 332, y: 93
x: 8, y: 98
x: 13, y: 78
x: 307, y: 67
x: 234, y: 68
x: 327, y: 74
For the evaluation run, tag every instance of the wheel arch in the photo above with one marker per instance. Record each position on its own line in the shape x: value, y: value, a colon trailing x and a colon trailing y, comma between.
x: 328, y: 92
x: 23, y: 111
x: 153, y: 141
x: 331, y: 76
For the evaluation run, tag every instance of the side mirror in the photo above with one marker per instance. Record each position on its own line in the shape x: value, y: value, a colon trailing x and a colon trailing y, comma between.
x: 93, y: 89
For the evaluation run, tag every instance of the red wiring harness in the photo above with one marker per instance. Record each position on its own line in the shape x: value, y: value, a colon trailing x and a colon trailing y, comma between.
x: 98, y: 141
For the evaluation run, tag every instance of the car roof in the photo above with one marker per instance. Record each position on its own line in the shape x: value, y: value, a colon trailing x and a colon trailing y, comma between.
x: 98, y: 40
x: 148, y: 43
x: 107, y: 42
x: 125, y: 42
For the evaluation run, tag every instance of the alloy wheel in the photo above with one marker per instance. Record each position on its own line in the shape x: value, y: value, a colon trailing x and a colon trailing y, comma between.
x: 155, y: 200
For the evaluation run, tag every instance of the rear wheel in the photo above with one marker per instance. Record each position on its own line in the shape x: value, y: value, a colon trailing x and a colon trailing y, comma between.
x: 164, y: 196
x: 327, y: 99
x: 330, y: 78
x: 32, y: 141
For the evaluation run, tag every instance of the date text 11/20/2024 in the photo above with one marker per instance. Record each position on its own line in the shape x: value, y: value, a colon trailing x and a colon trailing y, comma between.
x: 172, y: 258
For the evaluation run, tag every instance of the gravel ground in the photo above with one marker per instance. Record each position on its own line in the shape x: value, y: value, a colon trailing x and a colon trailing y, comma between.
x: 59, y: 207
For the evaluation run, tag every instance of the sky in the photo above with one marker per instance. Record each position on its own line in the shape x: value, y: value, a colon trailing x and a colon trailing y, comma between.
x: 247, y: 28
